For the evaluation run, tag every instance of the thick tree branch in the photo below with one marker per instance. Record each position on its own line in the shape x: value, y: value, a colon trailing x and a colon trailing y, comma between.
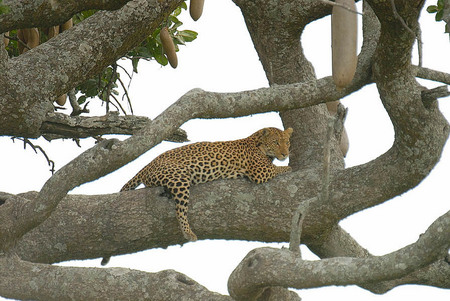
x: 144, y: 219
x: 273, y: 267
x: 30, y: 281
x: 57, y: 126
x: 46, y: 13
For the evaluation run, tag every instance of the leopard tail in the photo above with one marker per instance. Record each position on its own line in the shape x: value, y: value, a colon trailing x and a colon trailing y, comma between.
x: 133, y: 183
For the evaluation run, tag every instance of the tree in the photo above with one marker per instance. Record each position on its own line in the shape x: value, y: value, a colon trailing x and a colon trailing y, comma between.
x: 113, y: 224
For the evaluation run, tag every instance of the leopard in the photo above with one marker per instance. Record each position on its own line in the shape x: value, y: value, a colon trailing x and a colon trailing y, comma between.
x: 180, y: 168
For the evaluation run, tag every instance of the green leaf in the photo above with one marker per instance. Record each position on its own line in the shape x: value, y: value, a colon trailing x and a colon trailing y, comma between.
x: 180, y: 40
x: 161, y: 59
x: 432, y: 9
x: 174, y: 20
x: 439, y: 15
x: 188, y: 35
x: 440, y: 4
x: 177, y: 11
x: 81, y: 99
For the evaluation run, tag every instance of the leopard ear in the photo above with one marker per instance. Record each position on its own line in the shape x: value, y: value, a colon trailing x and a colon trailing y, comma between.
x: 289, y: 131
x: 265, y: 132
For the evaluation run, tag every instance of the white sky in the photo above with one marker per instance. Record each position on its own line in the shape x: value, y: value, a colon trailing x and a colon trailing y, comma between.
x: 223, y: 59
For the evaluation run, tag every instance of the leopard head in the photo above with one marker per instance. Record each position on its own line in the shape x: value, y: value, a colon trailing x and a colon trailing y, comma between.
x: 274, y: 142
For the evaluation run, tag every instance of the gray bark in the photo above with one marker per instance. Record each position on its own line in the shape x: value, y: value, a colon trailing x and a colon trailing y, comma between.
x: 46, y: 13
x: 59, y: 126
x: 261, y: 267
x: 44, y: 227
x: 25, y: 280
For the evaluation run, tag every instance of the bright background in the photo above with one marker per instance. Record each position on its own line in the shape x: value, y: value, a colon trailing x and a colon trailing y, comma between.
x: 223, y: 59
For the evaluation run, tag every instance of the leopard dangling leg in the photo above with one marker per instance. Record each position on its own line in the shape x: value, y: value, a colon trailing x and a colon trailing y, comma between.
x: 179, y: 188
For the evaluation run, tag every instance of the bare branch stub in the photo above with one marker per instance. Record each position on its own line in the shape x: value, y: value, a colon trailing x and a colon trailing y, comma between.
x: 434, y: 75
x: 429, y: 96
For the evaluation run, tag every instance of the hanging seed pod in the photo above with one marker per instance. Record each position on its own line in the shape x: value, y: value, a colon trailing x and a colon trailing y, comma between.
x: 169, y: 47
x: 30, y: 36
x: 66, y: 25
x: 344, y: 43
x: 196, y: 9
x: 52, y: 31
x: 61, y: 100
x: 6, y: 40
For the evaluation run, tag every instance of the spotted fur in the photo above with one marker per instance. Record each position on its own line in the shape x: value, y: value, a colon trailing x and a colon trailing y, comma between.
x: 180, y: 168
x: 201, y: 162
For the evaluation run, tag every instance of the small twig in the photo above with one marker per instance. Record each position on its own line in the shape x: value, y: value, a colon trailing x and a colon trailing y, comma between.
x: 98, y: 139
x: 108, y: 102
x: 35, y: 148
x: 137, y: 57
x: 130, y: 76
x: 18, y: 41
x: 119, y: 105
x: 58, y: 108
x: 324, y: 193
x: 419, y: 45
x: 77, y: 141
x: 343, y: 6
x: 127, y: 95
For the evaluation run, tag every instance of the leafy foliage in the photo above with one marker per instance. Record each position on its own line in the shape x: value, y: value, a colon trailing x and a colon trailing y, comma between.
x: 105, y: 85
x: 438, y: 9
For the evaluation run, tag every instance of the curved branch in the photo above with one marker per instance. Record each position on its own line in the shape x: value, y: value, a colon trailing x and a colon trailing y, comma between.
x: 338, y: 243
x: 266, y: 267
x: 46, y: 13
x: 31, y: 281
